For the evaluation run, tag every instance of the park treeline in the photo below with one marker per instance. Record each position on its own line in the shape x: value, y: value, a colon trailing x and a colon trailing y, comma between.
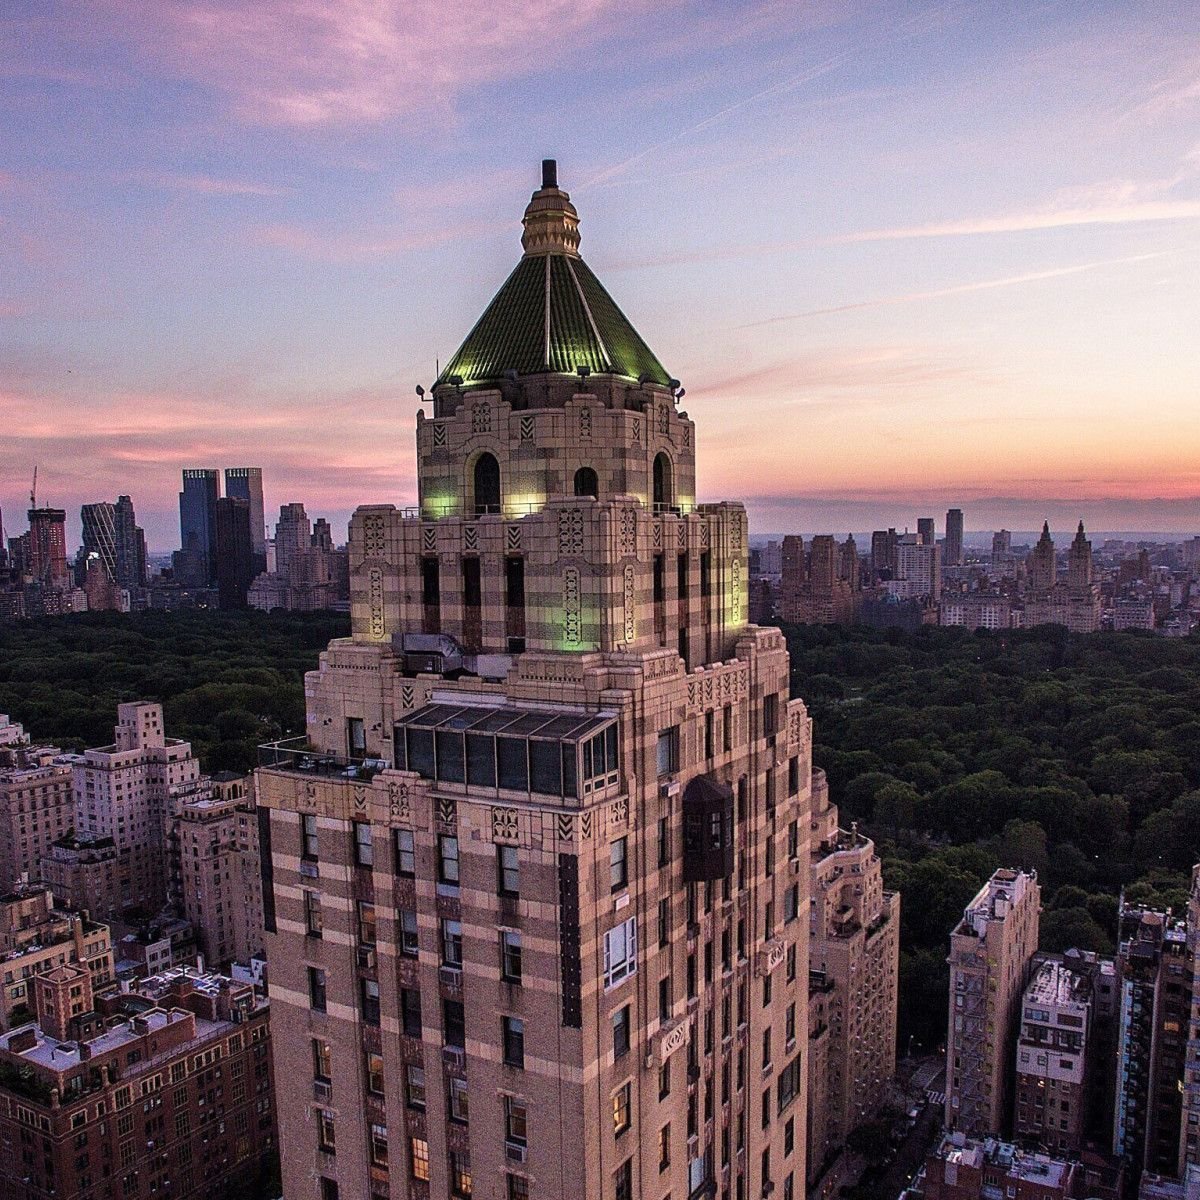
x: 227, y: 680
x: 958, y: 752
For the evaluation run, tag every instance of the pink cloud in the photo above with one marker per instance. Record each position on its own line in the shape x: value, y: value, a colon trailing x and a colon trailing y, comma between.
x: 309, y: 62
x: 205, y: 185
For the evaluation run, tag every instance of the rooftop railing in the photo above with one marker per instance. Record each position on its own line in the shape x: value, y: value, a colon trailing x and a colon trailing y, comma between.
x: 299, y: 755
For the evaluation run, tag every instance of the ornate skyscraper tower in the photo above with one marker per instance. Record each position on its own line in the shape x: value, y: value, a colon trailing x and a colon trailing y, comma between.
x: 537, y: 884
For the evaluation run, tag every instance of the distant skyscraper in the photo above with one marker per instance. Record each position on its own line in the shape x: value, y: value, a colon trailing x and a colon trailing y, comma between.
x: 198, y: 516
x: 129, y: 546
x: 1001, y: 548
x: 235, y: 559
x: 883, y: 553
x: 100, y: 535
x: 322, y: 535
x: 293, y: 535
x: 954, y: 538
x: 1079, y: 564
x: 245, y: 483
x: 48, y: 548
x: 926, y: 531
x: 1040, y: 564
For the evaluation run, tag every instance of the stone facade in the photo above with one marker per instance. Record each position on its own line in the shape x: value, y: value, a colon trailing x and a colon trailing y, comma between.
x: 991, y: 956
x: 544, y: 852
x: 36, y: 807
x: 854, y: 963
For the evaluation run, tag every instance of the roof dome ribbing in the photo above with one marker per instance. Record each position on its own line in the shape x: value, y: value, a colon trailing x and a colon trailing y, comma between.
x: 552, y: 315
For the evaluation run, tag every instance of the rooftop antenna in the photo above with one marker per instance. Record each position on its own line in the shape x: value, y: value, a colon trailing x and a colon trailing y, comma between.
x: 33, y: 490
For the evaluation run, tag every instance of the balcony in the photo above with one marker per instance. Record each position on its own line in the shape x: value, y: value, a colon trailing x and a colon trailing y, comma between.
x: 297, y: 754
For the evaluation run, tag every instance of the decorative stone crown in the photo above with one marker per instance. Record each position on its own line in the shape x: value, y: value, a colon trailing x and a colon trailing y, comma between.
x: 551, y: 222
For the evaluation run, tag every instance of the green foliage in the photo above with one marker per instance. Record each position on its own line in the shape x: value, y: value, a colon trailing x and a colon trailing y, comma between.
x: 959, y: 752
x: 227, y: 680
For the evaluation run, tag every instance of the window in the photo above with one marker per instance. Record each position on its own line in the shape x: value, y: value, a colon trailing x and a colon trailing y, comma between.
x: 620, y: 952
x: 486, y: 478
x: 620, y: 1027
x: 791, y: 903
x: 789, y: 1024
x: 518, y: 1187
x: 664, y: 998
x: 452, y: 943
x: 664, y: 1080
x: 516, y: 1121
x: 458, y: 1104
x: 664, y: 1147
x: 621, y: 1111
x: 414, y: 1087
x: 312, y: 914
x: 316, y: 989
x: 356, y: 737
x: 410, y: 1012
x: 623, y: 1177
x: 454, y: 1023
x: 667, y: 756
x: 460, y: 1173
x: 664, y: 841
x: 419, y: 1154
x: 369, y: 1000
x: 325, y: 1134
x: 709, y: 734
x: 766, y: 1048
x: 510, y: 956
x: 407, y: 920
x: 379, y: 1145
x: 308, y: 836
x: 406, y: 853
x: 513, y: 1029
x: 329, y: 1189
x: 586, y: 482
x: 366, y: 923
x: 618, y: 864
x: 727, y: 727
x: 448, y: 859
x: 788, y: 1083
x: 364, y: 848
x: 322, y: 1059
x: 373, y: 1068
x: 508, y: 871
x: 664, y: 923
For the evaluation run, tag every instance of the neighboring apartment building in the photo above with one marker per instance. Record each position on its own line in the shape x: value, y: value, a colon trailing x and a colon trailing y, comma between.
x: 220, y: 876
x: 1189, y: 1133
x: 975, y: 610
x: 36, y: 804
x: 991, y: 955
x: 34, y: 937
x: 962, y: 1168
x: 162, y: 1091
x: 1154, y: 975
x: 854, y: 961
x: 130, y: 792
x: 1052, y: 1057
x: 537, y: 885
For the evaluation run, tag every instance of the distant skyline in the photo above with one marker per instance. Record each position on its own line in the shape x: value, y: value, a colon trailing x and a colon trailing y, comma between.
x: 901, y: 258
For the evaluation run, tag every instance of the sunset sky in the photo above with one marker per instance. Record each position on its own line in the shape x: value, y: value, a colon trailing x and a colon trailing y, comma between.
x: 900, y: 256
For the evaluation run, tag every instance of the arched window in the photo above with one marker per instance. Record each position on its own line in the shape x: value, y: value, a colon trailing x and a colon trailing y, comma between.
x: 487, y: 484
x: 664, y: 485
x: 586, y: 483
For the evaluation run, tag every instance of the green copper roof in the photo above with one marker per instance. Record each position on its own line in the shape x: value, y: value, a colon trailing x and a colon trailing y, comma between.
x: 552, y: 315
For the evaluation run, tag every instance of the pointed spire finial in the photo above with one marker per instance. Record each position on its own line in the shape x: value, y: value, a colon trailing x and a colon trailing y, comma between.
x: 551, y: 222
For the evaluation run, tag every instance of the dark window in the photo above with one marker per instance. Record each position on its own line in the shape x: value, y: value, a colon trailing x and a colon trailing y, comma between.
x: 356, y: 737
x: 369, y: 1000
x: 514, y: 1041
x: 316, y: 989
x: 667, y: 755
x: 510, y: 956
x: 511, y: 761
x: 420, y: 752
x: 450, y: 766
x: 618, y: 864
x: 620, y: 1027
x: 623, y: 1178
x: 454, y: 1025
x: 487, y: 484
x: 660, y: 582
x: 308, y: 836
x: 709, y: 732
x: 545, y: 767
x: 329, y: 1189
x: 407, y: 920
x: 664, y: 486
x: 481, y: 760
x: 586, y: 483
x: 410, y: 1012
